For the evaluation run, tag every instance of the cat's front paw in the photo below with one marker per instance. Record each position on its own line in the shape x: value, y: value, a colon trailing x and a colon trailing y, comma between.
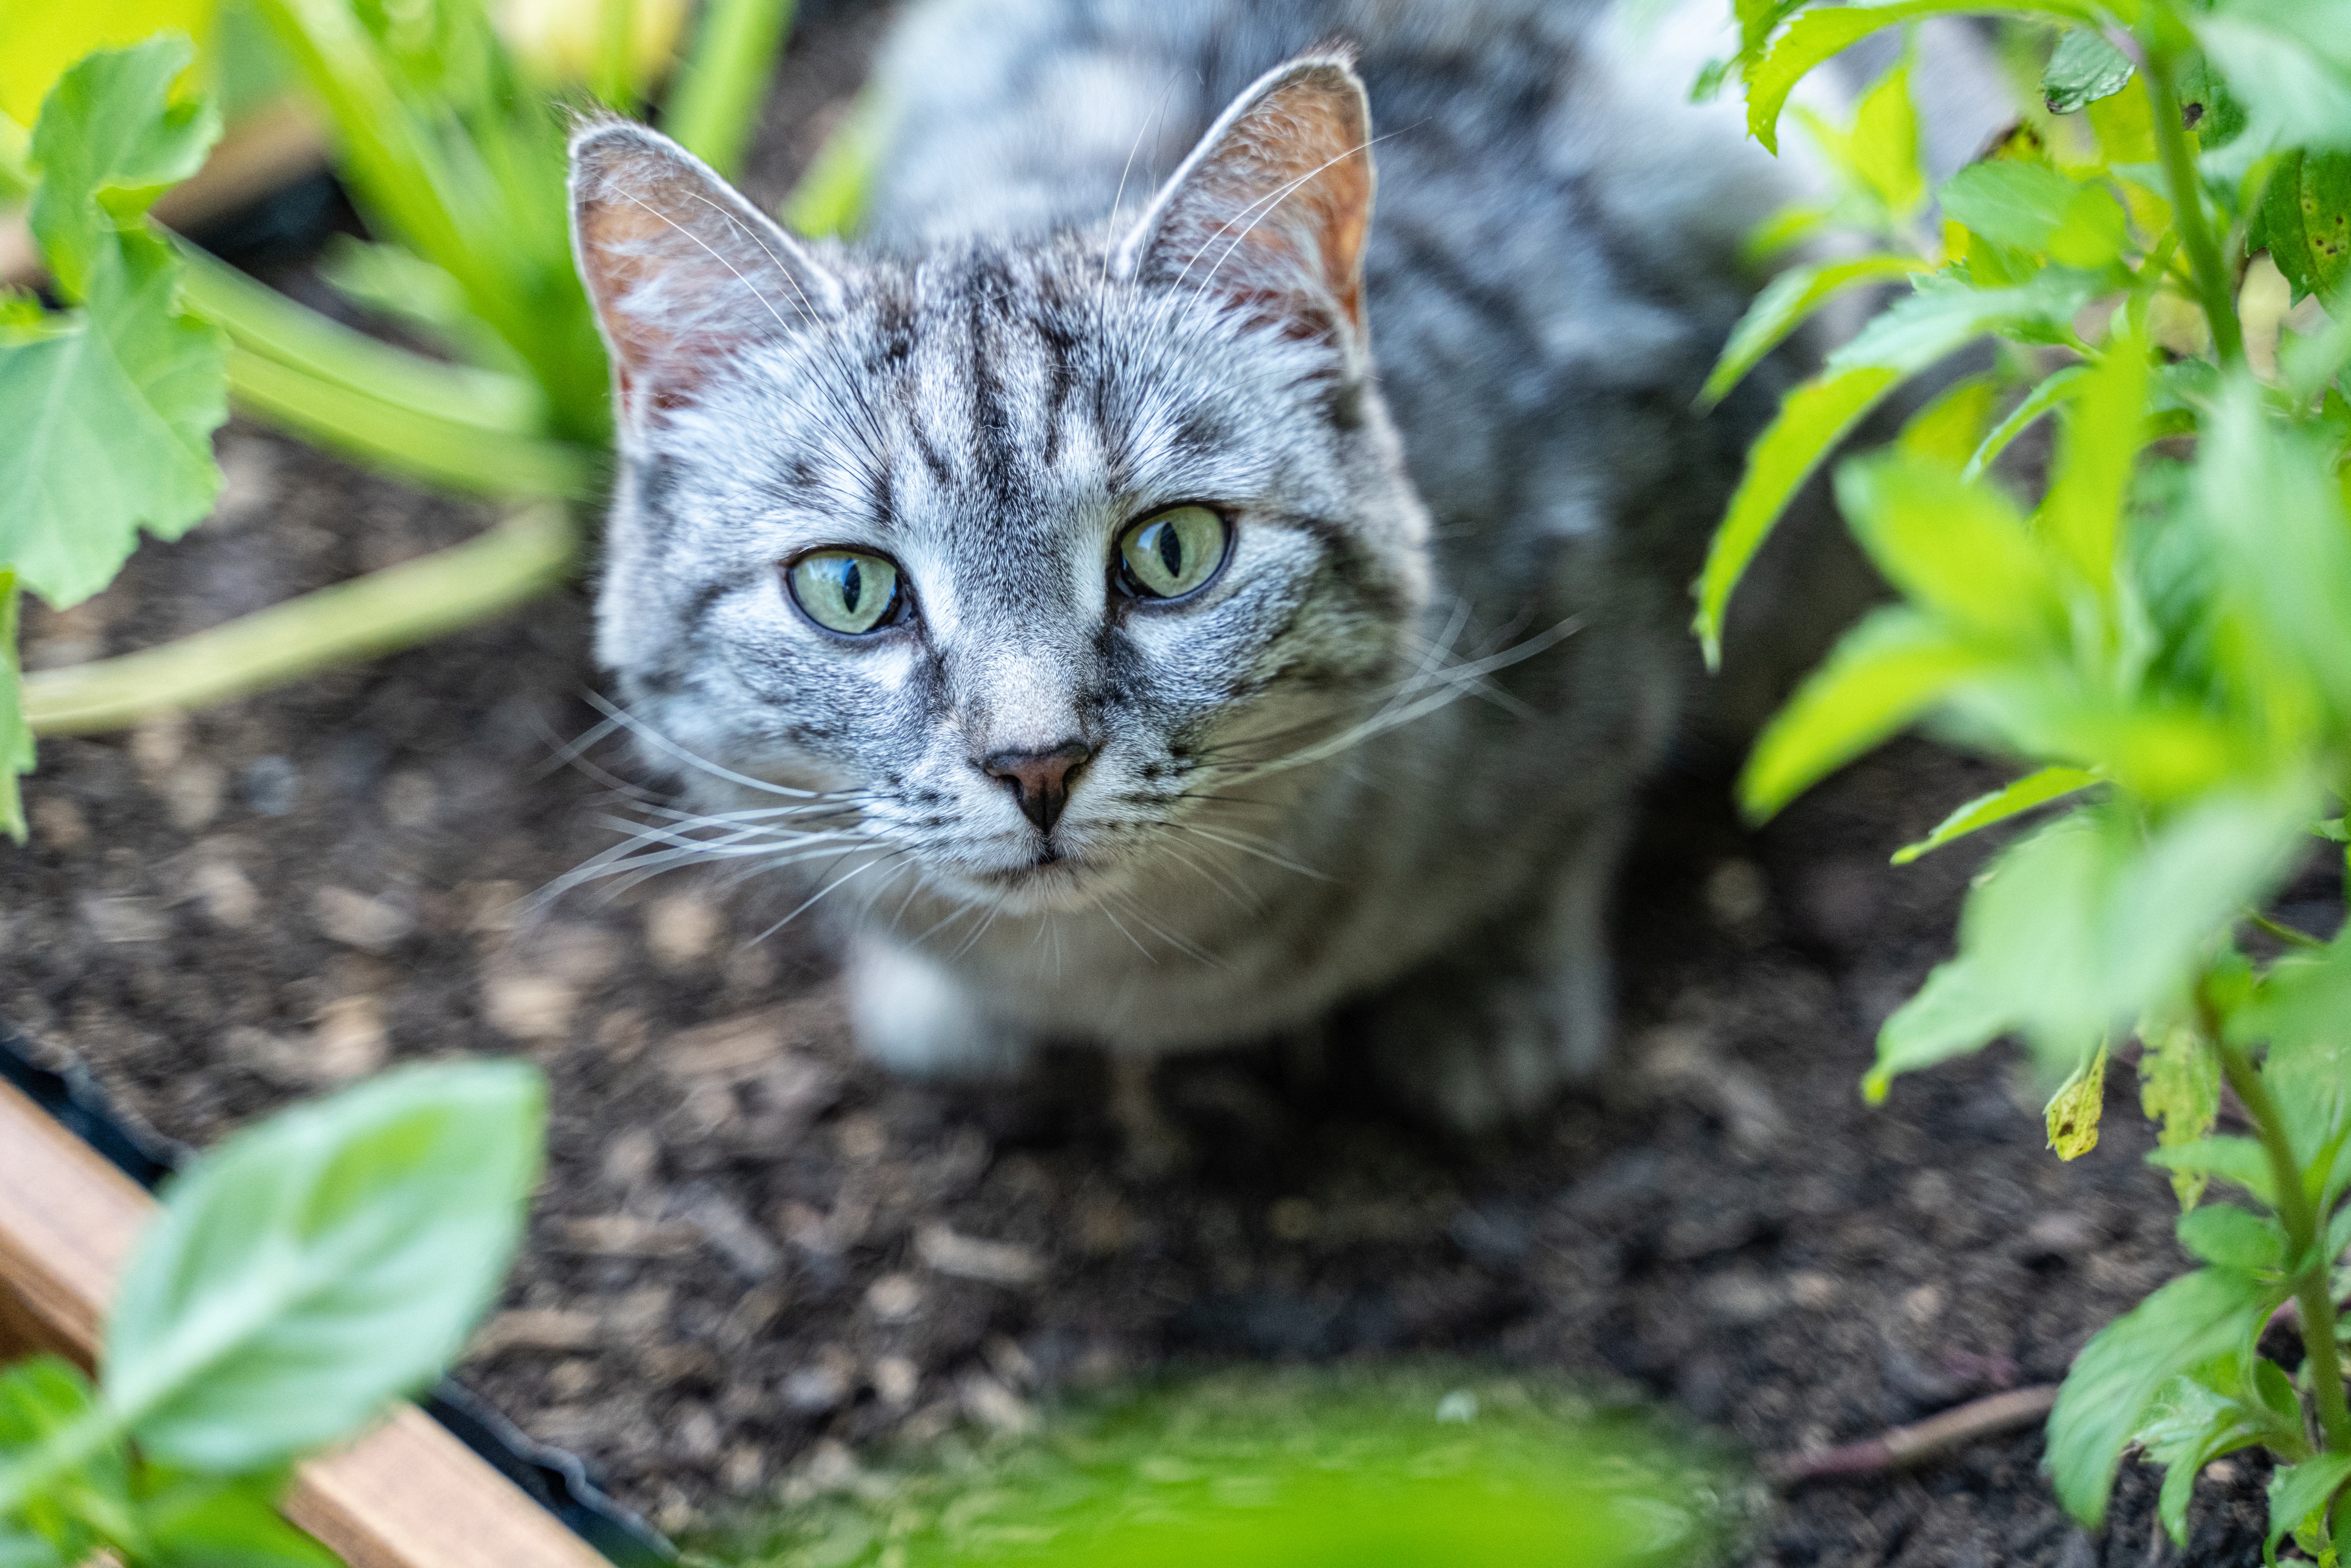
x: 1474, y: 1053
x: 915, y: 1017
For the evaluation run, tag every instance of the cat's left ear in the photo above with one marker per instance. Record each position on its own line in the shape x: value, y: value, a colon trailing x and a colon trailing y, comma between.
x: 682, y: 270
x: 1271, y: 208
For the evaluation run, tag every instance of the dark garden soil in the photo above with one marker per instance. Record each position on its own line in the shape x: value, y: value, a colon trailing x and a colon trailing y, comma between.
x: 752, y: 1249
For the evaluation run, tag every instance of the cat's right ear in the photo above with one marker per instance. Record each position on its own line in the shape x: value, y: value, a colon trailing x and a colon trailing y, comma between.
x: 682, y: 270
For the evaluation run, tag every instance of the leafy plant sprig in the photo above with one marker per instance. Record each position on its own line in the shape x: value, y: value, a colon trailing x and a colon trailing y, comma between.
x: 2160, y: 637
x: 299, y: 1279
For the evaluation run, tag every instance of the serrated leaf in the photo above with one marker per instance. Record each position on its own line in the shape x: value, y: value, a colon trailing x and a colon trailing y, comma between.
x: 16, y: 734
x: 1812, y: 419
x: 310, y: 1270
x: 2306, y: 221
x: 1950, y: 1016
x: 1958, y: 550
x: 1885, y: 673
x: 1945, y: 316
x: 2232, y: 1159
x: 2035, y: 788
x: 2107, y: 1393
x: 2179, y: 1091
x: 1784, y: 304
x: 111, y: 423
x: 2232, y: 1238
x: 2300, y: 1492
x: 2071, y: 1114
x: 2083, y: 69
x: 107, y: 141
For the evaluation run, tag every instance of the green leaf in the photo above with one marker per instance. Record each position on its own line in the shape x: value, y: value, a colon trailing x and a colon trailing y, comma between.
x: 2083, y: 69
x: 45, y: 1407
x: 2009, y: 201
x: 1958, y: 550
x: 1945, y: 316
x: 2307, y: 218
x: 2300, y: 1493
x: 1886, y: 671
x: 110, y: 421
x: 2072, y: 1112
x: 2189, y: 1426
x: 2232, y: 1238
x: 1949, y: 429
x: 1811, y: 419
x: 1878, y: 158
x: 2216, y: 114
x: 2098, y: 436
x: 202, y: 1522
x: 2290, y: 62
x: 1819, y: 34
x: 2179, y: 1091
x: 1784, y: 304
x: 1952, y: 1015
x: 2055, y: 389
x: 714, y: 104
x: 16, y: 734
x: 2036, y: 789
x: 106, y: 141
x: 2232, y: 1159
x: 310, y: 1270
x: 2107, y: 1394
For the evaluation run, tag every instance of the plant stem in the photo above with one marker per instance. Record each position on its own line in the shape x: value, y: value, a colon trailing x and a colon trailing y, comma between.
x: 384, y: 612
x: 715, y: 98
x: 2314, y: 1285
x: 2188, y: 205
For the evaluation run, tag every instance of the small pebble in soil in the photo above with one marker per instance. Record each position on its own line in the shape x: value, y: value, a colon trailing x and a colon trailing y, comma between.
x: 272, y: 785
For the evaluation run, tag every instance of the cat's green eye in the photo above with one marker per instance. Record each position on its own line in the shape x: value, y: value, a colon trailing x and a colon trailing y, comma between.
x: 845, y: 591
x: 1171, y: 553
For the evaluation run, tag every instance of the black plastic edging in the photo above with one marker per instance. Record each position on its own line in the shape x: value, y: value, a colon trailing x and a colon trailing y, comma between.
x: 553, y: 1479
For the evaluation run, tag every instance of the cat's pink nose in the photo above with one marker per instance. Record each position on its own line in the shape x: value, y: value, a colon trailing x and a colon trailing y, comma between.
x: 1039, y: 780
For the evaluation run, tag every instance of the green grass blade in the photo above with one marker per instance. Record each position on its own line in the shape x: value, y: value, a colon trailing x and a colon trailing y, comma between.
x: 381, y: 613
x: 714, y: 101
x: 831, y: 196
x: 406, y: 441
x: 259, y: 318
x: 2033, y: 790
x: 1811, y: 419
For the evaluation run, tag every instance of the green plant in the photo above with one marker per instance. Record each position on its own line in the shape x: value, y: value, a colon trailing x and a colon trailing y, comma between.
x: 2161, y: 633
x: 299, y: 1279
x: 454, y: 153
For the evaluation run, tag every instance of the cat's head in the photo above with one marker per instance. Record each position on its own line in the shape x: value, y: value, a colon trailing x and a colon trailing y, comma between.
x: 1027, y: 559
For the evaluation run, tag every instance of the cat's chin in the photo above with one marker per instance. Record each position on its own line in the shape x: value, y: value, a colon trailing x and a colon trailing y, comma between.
x: 1060, y: 884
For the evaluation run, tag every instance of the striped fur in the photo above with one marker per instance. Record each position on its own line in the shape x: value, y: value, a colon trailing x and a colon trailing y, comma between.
x: 1390, y: 752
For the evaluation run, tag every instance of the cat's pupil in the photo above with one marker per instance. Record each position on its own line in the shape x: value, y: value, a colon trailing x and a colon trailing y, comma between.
x: 1171, y: 551
x: 852, y: 586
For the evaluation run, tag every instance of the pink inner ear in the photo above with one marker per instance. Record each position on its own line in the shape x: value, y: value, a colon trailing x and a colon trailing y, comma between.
x: 1280, y: 200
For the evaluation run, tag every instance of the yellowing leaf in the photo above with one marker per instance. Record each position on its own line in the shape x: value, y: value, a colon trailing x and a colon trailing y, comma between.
x: 1950, y: 427
x: 2073, y: 1113
x: 2179, y: 1091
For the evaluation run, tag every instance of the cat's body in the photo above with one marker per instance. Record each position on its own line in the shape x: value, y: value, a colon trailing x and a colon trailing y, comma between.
x: 1390, y: 750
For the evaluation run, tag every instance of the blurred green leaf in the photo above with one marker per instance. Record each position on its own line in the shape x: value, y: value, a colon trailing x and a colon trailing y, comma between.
x: 2098, y: 435
x: 1960, y: 551
x: 45, y: 1406
x: 2009, y: 202
x: 1811, y: 419
x: 213, y: 1522
x: 2231, y: 1237
x: 2054, y: 390
x: 2300, y: 1493
x: 2306, y: 221
x: 2071, y: 1114
x: 1945, y: 316
x: 2290, y: 62
x: 2179, y: 1091
x: 1785, y: 303
x: 1952, y: 1015
x: 2232, y: 1159
x: 313, y: 1268
x: 1885, y: 673
x: 714, y: 104
x: 2083, y: 67
x: 1878, y: 158
x: 2107, y: 1394
x: 2189, y: 1426
x: 1947, y: 431
x: 2035, y: 788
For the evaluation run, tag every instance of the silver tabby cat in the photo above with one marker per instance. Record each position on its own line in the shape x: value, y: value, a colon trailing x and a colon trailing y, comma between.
x: 1159, y: 611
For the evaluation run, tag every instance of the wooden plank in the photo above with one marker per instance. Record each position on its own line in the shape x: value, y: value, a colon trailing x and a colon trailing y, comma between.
x: 407, y: 1495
